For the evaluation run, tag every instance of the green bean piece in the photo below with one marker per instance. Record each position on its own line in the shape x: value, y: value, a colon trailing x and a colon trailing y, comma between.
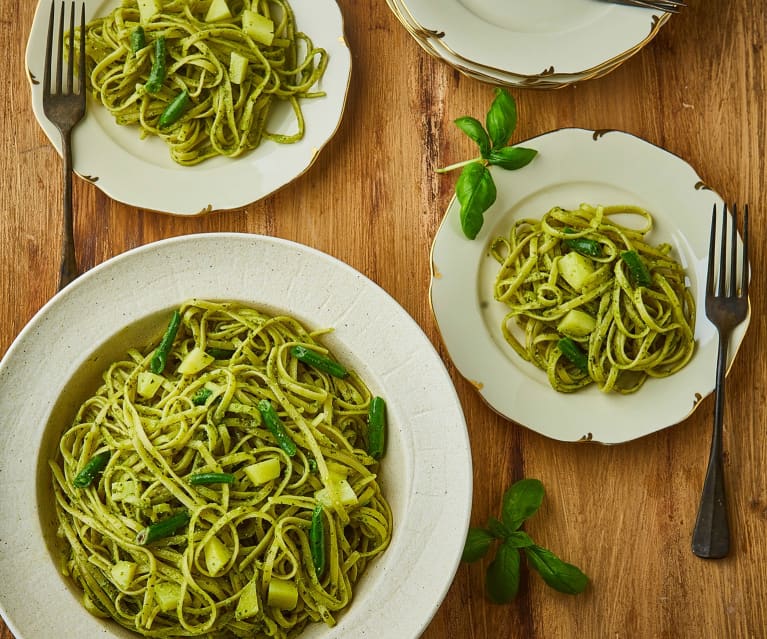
x: 376, y: 427
x: 163, y: 528
x: 203, y: 479
x: 317, y: 541
x: 137, y: 39
x: 573, y: 352
x: 93, y: 467
x: 160, y: 357
x: 320, y: 362
x: 175, y: 109
x: 637, y: 268
x: 275, y: 426
x: 583, y: 245
x: 220, y: 353
x: 157, y: 73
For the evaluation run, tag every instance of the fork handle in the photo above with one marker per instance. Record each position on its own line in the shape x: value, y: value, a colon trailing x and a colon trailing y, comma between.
x: 711, y: 536
x: 68, y: 269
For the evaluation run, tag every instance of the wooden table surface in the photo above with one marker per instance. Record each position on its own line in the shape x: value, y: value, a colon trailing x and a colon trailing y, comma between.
x: 624, y: 514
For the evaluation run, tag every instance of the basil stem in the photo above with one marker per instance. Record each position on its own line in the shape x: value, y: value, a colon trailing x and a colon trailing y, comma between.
x: 93, y: 467
x: 160, y: 357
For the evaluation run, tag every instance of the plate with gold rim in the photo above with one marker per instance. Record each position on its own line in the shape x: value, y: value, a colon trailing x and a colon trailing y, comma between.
x: 548, y: 44
x: 140, y: 172
x: 575, y: 166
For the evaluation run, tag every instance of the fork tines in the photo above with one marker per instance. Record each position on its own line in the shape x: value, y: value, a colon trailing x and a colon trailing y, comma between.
x: 64, y: 85
x: 724, y: 288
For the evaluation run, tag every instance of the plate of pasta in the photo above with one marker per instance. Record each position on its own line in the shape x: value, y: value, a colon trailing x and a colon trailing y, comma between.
x: 583, y: 294
x: 204, y: 460
x: 198, y: 106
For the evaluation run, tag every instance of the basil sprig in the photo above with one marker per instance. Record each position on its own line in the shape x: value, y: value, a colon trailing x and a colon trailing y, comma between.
x: 475, y: 188
x: 520, y: 502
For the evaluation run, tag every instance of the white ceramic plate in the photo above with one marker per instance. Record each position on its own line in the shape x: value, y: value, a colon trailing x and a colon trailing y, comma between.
x: 140, y: 173
x: 574, y: 166
x: 546, y: 44
x: 57, y: 358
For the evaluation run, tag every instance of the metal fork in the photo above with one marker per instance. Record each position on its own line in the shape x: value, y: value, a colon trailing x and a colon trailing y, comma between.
x: 726, y: 307
x: 669, y: 6
x: 64, y: 106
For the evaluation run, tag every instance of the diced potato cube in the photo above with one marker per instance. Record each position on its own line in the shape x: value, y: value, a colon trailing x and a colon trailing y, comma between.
x: 217, y: 11
x: 576, y: 269
x: 148, y: 383
x: 282, y: 594
x: 263, y: 471
x: 217, y: 555
x: 238, y: 67
x: 148, y: 9
x: 194, y: 361
x: 576, y: 323
x: 258, y: 27
x: 341, y: 490
x: 248, y: 605
x: 122, y: 574
x: 167, y: 595
x: 337, y: 471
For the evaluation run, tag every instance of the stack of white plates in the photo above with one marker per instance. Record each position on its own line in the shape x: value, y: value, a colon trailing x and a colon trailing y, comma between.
x: 546, y: 44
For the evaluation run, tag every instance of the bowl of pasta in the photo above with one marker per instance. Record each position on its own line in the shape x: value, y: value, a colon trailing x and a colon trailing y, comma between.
x: 203, y: 460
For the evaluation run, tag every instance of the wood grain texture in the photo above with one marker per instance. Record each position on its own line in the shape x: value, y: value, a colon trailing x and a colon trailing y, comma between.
x: 624, y: 514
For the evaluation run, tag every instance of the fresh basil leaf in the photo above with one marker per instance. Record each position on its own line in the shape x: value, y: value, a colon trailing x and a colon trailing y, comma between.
x: 477, y: 544
x: 476, y: 192
x: 501, y: 119
x: 556, y: 573
x: 497, y: 529
x: 511, y: 157
x: 519, y: 539
x: 502, y: 579
x: 473, y: 128
x: 520, y: 501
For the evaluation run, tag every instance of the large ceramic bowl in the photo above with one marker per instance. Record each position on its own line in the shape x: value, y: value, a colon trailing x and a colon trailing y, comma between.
x: 57, y: 359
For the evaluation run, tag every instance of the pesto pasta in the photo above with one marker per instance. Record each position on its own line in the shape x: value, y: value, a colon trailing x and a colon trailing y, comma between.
x: 218, y: 485
x: 203, y: 76
x: 591, y: 301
